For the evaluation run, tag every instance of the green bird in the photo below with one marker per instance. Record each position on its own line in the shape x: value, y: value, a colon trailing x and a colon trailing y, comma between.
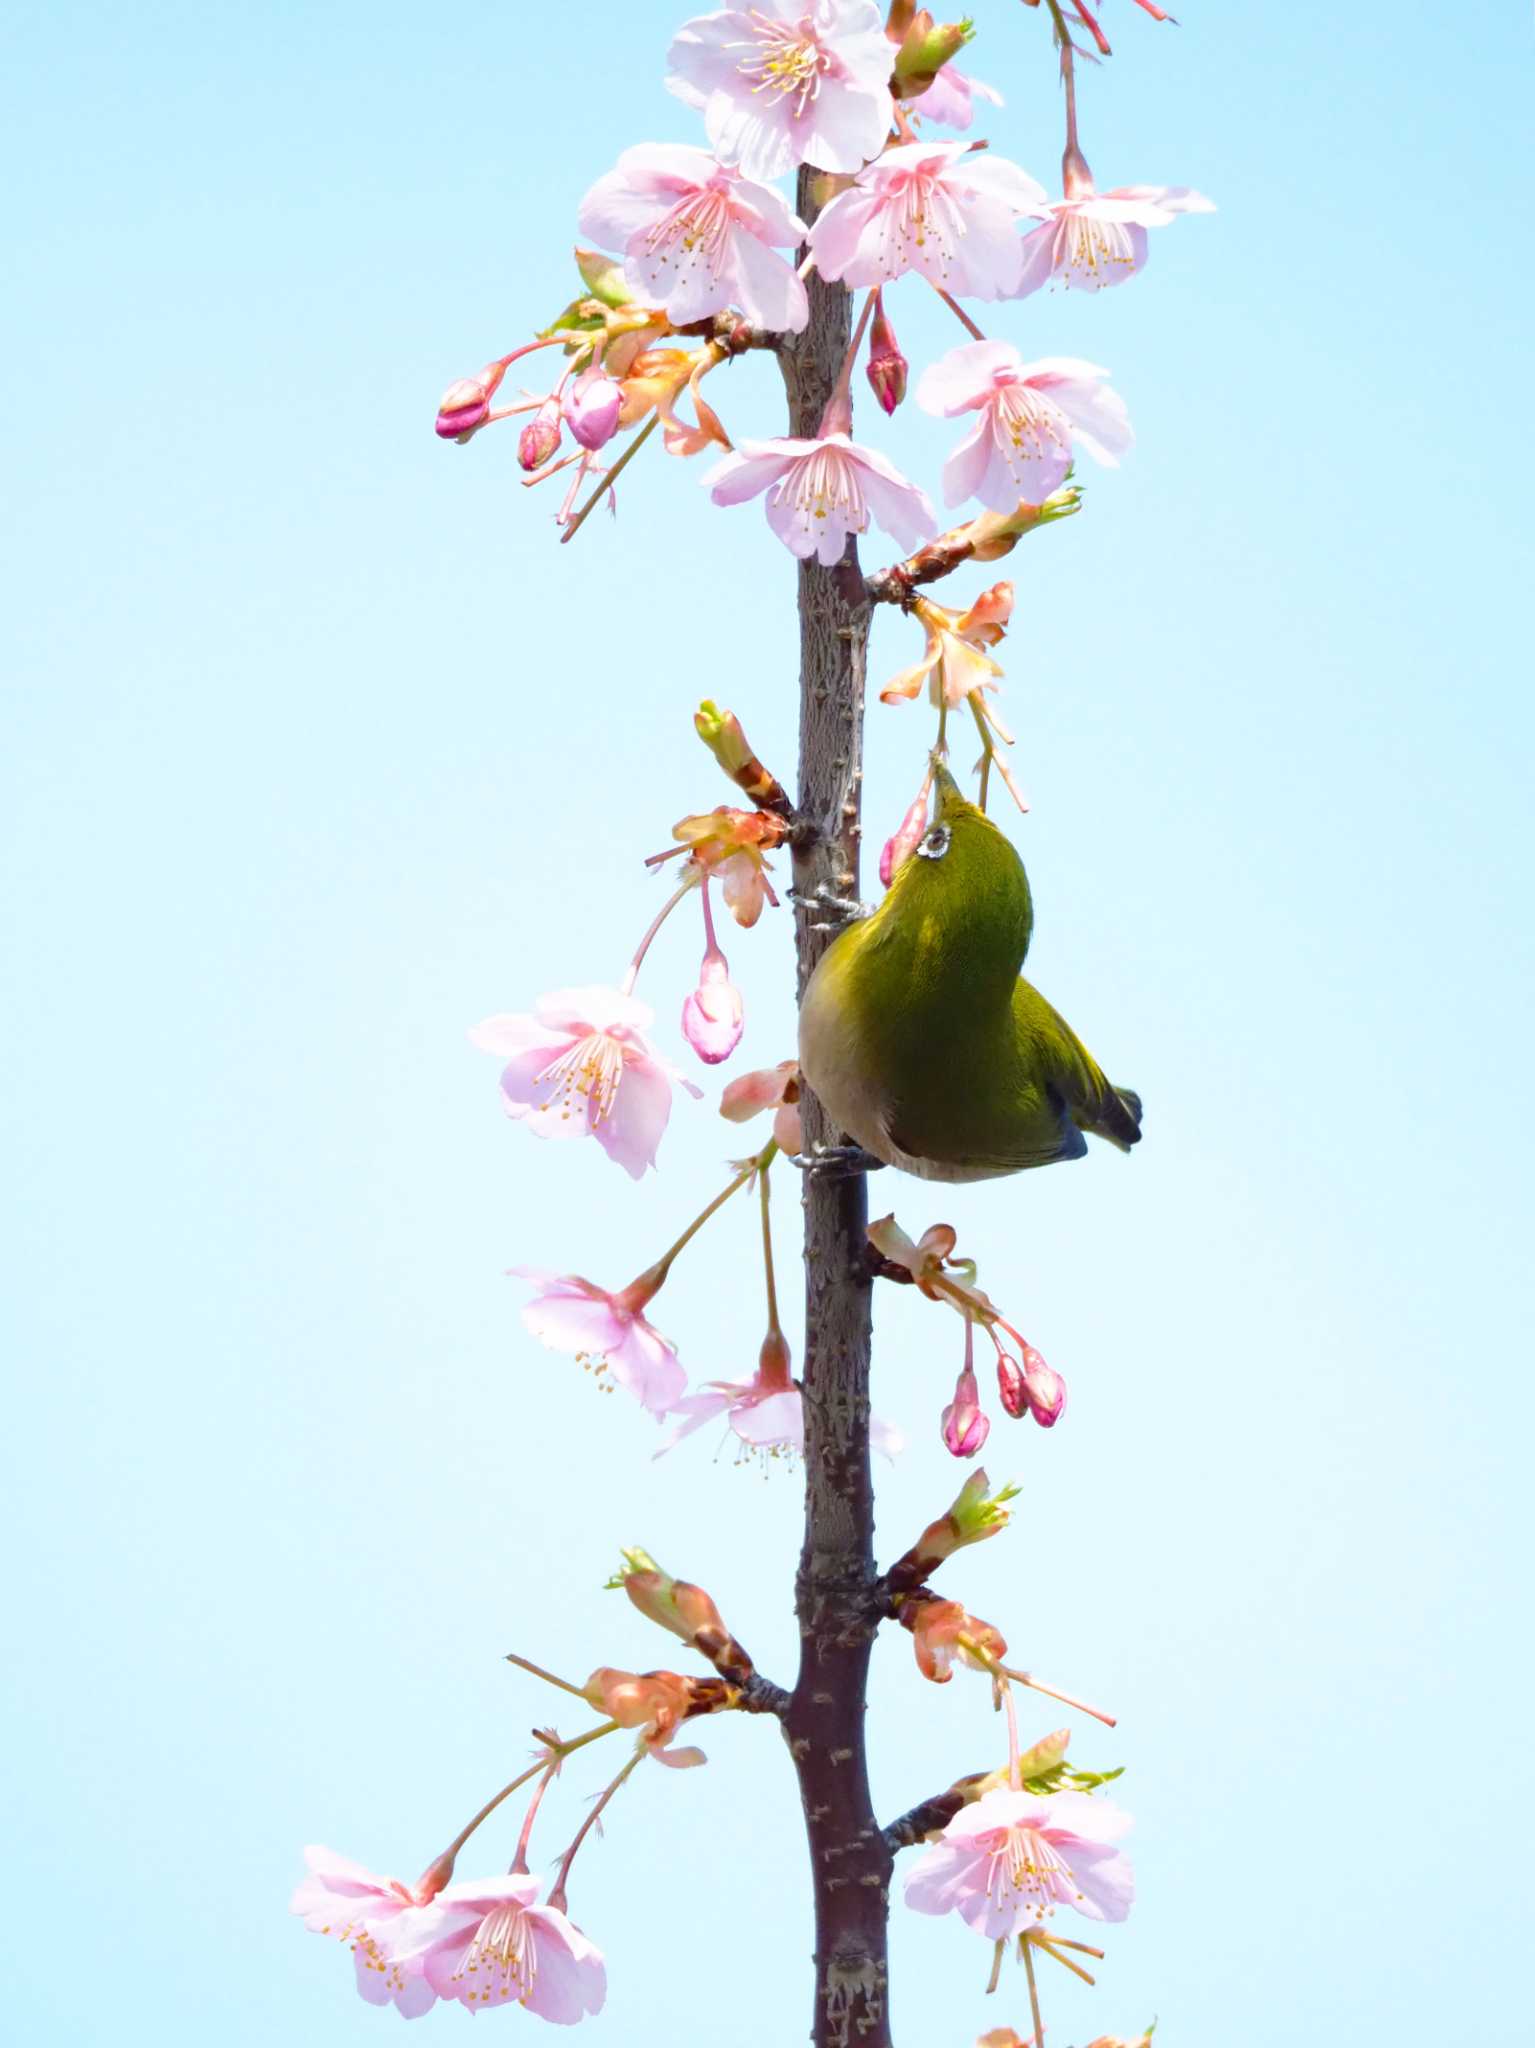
x: 922, y: 1039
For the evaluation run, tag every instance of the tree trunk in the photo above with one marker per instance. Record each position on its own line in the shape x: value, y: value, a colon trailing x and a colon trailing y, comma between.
x: 834, y: 1597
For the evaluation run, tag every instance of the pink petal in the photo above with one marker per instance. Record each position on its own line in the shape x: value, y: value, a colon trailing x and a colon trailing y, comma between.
x: 1099, y: 418
x: 965, y: 377
x: 966, y: 467
x: 780, y: 1419
x: 576, y: 1323
x: 1038, y: 264
x: 767, y: 289
x: 747, y: 472
x: 647, y: 1366
x: 631, y: 1131
x: 579, y: 1010
x: 696, y: 1409
x: 838, y: 231
x: 511, y: 1033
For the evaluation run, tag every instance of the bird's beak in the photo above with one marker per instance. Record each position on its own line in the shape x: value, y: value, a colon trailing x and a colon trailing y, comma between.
x: 948, y: 790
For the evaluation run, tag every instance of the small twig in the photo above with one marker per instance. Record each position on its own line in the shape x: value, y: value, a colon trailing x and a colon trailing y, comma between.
x: 929, y: 1818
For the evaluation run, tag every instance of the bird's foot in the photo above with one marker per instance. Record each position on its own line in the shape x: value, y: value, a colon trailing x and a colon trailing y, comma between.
x: 836, y: 1162
x: 829, y: 912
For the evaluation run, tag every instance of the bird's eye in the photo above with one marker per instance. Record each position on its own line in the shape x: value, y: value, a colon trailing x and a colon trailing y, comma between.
x: 935, y: 843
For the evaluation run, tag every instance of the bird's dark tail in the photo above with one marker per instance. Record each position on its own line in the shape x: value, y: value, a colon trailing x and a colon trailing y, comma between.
x: 1119, y: 1119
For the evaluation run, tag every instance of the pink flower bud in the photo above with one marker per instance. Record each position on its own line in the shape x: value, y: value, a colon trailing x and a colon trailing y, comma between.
x: 1011, y: 1386
x: 713, y: 1017
x: 540, y: 437
x: 592, y: 407
x: 965, y: 1424
x: 465, y: 406
x: 1044, y: 1389
x: 886, y: 368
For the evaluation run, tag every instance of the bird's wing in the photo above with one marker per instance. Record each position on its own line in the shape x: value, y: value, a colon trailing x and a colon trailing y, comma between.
x: 1050, y: 1048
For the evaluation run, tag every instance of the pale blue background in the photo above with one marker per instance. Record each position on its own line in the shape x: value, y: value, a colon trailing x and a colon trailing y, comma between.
x: 320, y: 749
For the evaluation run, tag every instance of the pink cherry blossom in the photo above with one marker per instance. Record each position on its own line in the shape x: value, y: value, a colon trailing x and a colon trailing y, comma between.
x: 938, y: 208
x: 572, y: 1314
x: 1008, y: 1860
x: 697, y: 237
x: 580, y: 1066
x: 775, y: 1088
x: 765, y: 1419
x: 1032, y: 415
x: 1093, y: 239
x: 350, y: 1904
x: 950, y: 99
x: 819, y: 492
x: 487, y: 1942
x: 788, y: 82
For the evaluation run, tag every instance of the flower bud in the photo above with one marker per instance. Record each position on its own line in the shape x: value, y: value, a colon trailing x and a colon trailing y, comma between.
x: 603, y: 278
x: 1011, y: 1386
x: 713, y: 1017
x: 1044, y: 1754
x: 465, y: 406
x: 965, y: 1424
x: 592, y: 407
x: 925, y: 48
x: 1044, y: 1389
x: 540, y: 438
x: 887, y: 367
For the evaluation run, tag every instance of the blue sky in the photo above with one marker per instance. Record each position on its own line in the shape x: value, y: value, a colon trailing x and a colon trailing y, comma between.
x: 319, y: 750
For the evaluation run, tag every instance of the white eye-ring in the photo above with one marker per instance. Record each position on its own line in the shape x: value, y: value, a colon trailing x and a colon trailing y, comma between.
x: 935, y: 843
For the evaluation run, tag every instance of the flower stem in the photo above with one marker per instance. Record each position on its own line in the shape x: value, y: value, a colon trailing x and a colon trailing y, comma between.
x: 1014, y: 1769
x: 520, y: 1859
x: 557, y: 1895
x: 959, y: 312
x: 838, y: 416
x: 774, y: 1326
x: 694, y: 877
x: 608, y: 480
x: 1028, y: 1965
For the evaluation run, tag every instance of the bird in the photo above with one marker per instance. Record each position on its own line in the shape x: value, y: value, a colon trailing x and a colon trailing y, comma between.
x: 923, y: 1041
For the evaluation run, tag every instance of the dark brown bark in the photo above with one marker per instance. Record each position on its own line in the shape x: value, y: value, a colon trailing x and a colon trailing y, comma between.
x: 836, y: 1596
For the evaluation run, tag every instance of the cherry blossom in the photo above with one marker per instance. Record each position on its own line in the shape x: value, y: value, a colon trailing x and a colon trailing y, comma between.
x: 937, y: 208
x: 954, y: 661
x: 950, y: 99
x: 775, y: 1088
x: 1008, y: 1860
x: 341, y: 1899
x: 1093, y: 239
x: 487, y: 1942
x: 654, y: 1703
x: 943, y: 1630
x: 729, y: 845
x: 788, y: 82
x: 697, y: 237
x: 571, y: 1314
x: 819, y: 492
x: 580, y: 1066
x: 1031, y: 417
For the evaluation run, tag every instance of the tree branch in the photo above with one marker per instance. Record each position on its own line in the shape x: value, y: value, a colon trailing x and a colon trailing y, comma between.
x: 835, y: 1597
